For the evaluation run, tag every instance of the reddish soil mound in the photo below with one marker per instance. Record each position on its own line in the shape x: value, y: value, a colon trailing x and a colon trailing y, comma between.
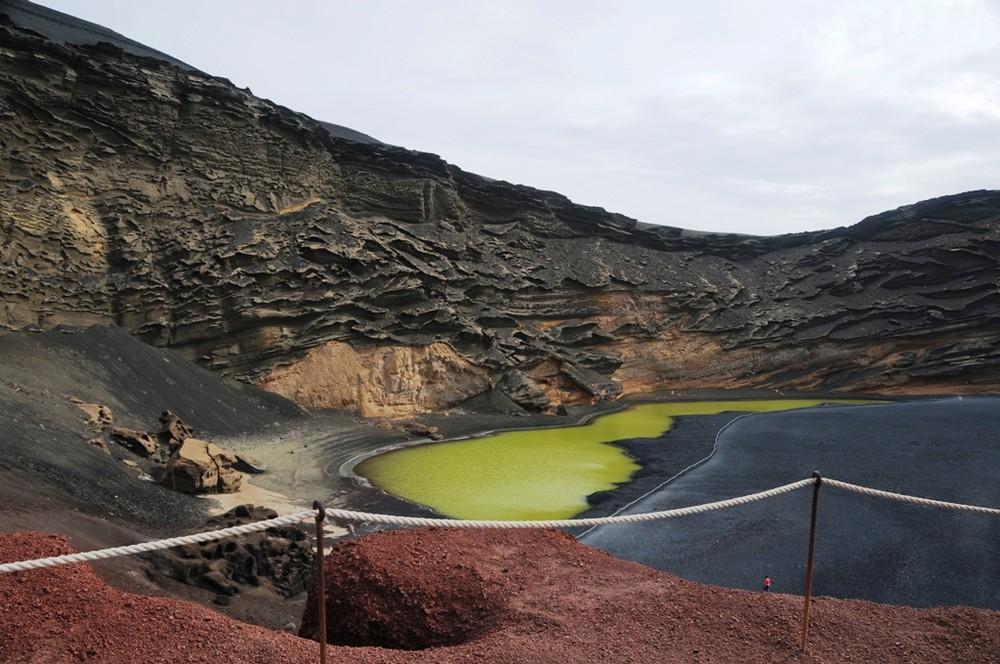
x: 563, y: 603
x: 567, y: 602
x: 405, y: 592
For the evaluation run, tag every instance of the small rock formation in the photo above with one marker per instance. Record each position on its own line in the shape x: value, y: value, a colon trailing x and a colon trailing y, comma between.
x: 280, y: 557
x: 173, y: 430
x: 191, y: 465
x: 523, y: 390
x: 494, y: 402
x: 136, y: 469
x: 418, y: 428
x: 98, y: 415
x: 100, y: 444
x: 139, y: 442
x: 198, y: 466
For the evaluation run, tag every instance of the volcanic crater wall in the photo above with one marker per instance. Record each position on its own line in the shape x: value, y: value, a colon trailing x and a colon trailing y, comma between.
x: 242, y: 234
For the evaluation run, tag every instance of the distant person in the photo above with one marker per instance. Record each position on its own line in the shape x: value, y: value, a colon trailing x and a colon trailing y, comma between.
x: 767, y: 584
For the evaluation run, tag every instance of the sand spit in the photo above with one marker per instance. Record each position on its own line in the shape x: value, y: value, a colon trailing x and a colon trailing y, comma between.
x: 553, y: 601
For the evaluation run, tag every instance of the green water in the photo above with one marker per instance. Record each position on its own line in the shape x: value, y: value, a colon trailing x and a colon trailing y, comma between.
x: 536, y: 473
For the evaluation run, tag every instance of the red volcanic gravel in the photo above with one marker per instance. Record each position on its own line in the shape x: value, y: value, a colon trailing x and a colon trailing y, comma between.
x: 546, y: 598
x: 68, y: 614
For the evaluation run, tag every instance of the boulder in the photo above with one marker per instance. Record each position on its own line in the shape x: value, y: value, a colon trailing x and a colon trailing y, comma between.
x: 198, y: 466
x: 523, y: 390
x: 279, y: 559
x: 173, y: 430
x: 492, y: 402
x: 592, y: 382
x: 425, y: 430
x: 98, y: 415
x: 138, y: 442
x: 100, y: 444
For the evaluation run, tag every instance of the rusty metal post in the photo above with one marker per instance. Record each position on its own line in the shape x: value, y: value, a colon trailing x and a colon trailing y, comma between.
x: 320, y: 579
x: 809, y: 561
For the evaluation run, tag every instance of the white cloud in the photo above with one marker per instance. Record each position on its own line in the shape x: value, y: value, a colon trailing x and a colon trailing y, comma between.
x: 968, y: 98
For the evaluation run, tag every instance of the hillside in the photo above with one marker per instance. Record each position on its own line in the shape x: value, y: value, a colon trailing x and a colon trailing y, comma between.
x: 250, y: 239
x: 43, y: 446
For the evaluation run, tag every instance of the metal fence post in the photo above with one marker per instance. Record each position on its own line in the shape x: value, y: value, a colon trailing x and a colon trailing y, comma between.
x: 809, y: 561
x: 320, y: 579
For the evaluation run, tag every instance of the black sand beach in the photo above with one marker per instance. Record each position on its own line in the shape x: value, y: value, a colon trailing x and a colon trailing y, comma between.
x: 866, y: 548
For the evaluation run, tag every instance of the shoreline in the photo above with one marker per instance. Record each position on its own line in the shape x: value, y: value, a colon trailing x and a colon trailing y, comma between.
x: 658, y: 463
x: 316, y: 459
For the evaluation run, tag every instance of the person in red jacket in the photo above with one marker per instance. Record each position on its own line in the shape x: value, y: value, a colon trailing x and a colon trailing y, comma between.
x: 767, y: 584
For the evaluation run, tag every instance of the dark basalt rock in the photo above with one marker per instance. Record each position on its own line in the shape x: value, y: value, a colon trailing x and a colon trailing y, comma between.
x: 280, y: 557
x: 495, y: 402
x: 243, y: 235
x: 522, y: 390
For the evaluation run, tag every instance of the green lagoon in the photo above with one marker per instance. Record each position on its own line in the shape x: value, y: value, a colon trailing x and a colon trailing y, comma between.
x: 536, y: 473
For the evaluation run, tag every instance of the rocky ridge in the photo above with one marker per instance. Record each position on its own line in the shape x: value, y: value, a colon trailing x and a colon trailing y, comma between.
x: 339, y: 273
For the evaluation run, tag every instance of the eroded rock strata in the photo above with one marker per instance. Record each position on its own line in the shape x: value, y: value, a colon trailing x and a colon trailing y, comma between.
x: 248, y: 238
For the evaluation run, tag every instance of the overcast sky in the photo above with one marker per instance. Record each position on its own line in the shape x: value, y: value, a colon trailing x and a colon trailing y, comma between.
x: 755, y: 117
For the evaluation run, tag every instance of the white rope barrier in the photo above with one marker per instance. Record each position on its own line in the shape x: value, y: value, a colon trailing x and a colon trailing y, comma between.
x: 348, y: 515
x: 390, y: 519
x: 915, y: 500
x: 156, y: 545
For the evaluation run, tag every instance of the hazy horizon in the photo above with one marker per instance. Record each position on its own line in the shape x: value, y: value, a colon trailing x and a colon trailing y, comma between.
x: 765, y: 118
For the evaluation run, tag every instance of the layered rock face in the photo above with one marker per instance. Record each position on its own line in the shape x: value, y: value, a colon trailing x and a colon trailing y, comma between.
x: 340, y: 273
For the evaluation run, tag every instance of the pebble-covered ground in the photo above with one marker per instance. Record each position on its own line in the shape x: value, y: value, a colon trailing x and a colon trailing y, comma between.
x: 535, y: 596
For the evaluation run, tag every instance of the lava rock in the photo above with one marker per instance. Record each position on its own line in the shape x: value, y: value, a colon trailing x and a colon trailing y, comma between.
x: 100, y: 444
x: 522, y: 390
x: 279, y: 558
x: 173, y: 430
x: 138, y: 442
x: 98, y: 415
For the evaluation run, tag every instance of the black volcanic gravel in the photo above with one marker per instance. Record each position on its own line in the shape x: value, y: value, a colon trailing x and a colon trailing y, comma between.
x: 866, y: 548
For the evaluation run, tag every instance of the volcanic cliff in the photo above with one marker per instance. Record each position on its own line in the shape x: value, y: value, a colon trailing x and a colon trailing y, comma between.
x: 252, y: 239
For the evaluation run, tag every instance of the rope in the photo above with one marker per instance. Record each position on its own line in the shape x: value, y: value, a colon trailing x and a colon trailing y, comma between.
x: 156, y: 545
x: 390, y: 519
x: 915, y: 500
x: 348, y: 515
